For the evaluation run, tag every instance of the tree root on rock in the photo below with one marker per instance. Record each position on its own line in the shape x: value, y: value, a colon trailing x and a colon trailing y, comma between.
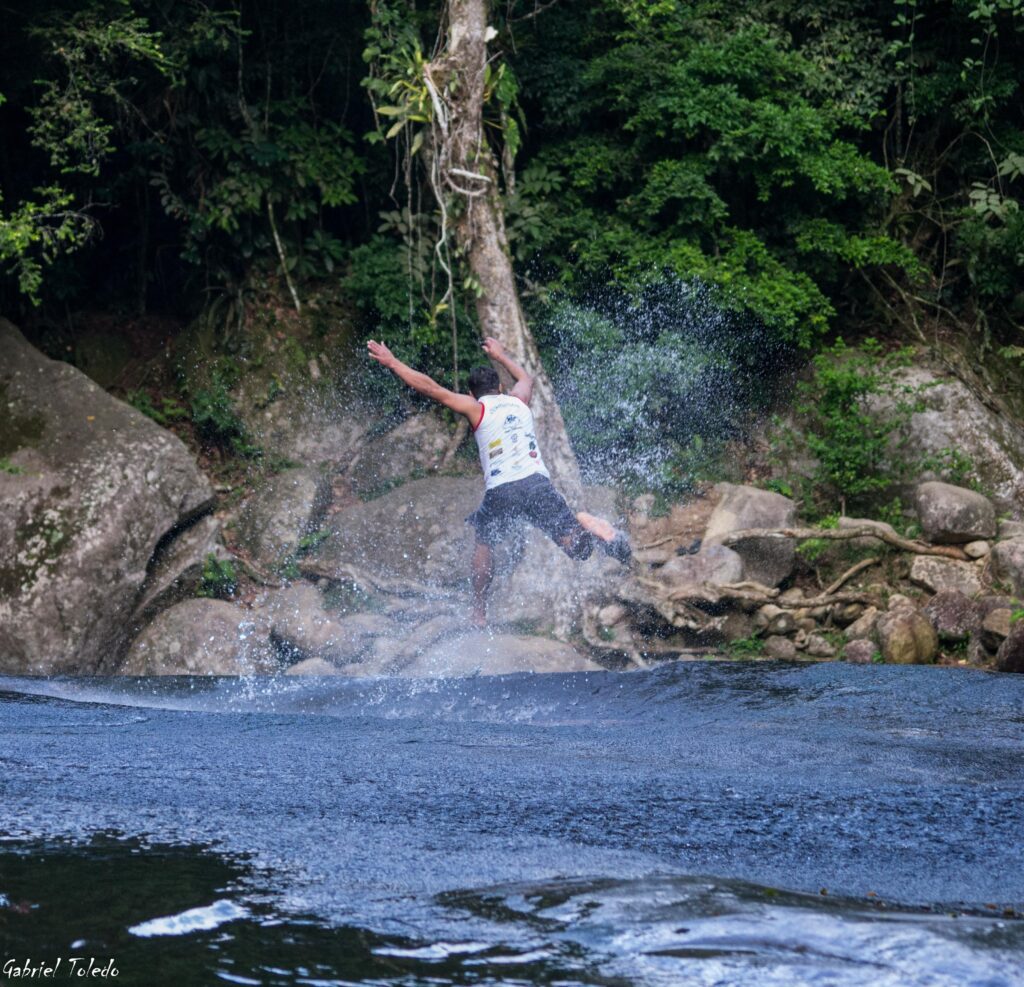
x: 844, y: 534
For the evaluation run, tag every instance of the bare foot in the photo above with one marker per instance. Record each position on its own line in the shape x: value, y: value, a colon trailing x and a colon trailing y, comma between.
x: 597, y: 526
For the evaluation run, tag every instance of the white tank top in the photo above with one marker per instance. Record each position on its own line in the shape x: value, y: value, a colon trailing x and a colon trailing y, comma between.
x: 507, y: 442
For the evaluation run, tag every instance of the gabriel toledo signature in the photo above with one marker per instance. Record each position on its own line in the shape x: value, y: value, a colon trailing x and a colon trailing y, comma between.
x: 62, y: 967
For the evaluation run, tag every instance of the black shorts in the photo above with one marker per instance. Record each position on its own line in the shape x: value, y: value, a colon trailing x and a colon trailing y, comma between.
x: 504, y: 509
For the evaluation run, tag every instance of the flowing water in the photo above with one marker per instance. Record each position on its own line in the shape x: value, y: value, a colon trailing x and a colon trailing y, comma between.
x: 702, y: 823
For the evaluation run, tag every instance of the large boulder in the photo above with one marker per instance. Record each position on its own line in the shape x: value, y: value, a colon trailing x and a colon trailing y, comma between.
x: 415, y: 540
x: 90, y: 489
x: 906, y: 637
x: 953, y: 417
x: 714, y: 564
x: 765, y: 560
x: 953, y: 515
x: 287, y: 507
x: 498, y: 654
x: 938, y: 575
x: 202, y: 637
x: 1008, y: 563
x: 954, y: 617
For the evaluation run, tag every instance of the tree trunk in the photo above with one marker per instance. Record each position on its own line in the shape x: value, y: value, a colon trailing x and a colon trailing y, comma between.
x: 469, y: 169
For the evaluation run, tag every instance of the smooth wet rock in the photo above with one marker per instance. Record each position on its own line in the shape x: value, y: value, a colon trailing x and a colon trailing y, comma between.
x: 952, y: 515
x: 938, y: 575
x: 288, y: 507
x: 906, y: 637
x: 844, y: 614
x: 1008, y: 563
x: 1010, y: 656
x: 202, y: 637
x: 766, y: 614
x: 860, y: 652
x: 779, y: 647
x: 313, y: 666
x: 977, y: 549
x: 481, y: 653
x: 100, y: 485
x: 765, y: 560
x: 954, y: 616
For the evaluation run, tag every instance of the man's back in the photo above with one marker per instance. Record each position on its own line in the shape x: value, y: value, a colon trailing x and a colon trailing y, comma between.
x: 507, y: 441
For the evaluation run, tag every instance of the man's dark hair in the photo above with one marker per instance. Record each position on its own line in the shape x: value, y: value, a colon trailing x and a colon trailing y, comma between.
x: 483, y: 380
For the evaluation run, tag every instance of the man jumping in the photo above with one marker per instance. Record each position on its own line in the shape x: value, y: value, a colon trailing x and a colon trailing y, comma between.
x: 518, y: 485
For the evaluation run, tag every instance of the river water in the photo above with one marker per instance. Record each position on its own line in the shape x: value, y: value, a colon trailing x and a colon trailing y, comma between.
x: 701, y: 823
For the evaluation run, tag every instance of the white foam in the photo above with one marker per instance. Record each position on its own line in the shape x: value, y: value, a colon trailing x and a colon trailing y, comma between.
x: 192, y: 920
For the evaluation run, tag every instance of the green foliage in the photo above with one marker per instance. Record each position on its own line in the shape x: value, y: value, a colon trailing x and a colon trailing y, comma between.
x: 212, y: 410
x: 849, y: 437
x: 168, y: 410
x: 746, y: 647
x: 953, y: 466
x: 6, y: 466
x: 219, y: 580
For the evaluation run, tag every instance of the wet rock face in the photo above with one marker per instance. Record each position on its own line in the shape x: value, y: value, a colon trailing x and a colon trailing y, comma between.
x: 954, y: 418
x: 96, y: 486
x: 712, y: 564
x: 953, y: 515
x: 416, y: 444
x: 287, y: 507
x: 765, y: 560
x: 202, y: 637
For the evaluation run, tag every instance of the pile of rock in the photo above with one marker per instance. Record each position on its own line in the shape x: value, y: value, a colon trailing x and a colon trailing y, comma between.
x: 961, y: 598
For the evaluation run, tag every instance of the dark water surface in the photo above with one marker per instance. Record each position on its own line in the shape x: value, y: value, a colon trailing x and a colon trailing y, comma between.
x: 698, y: 824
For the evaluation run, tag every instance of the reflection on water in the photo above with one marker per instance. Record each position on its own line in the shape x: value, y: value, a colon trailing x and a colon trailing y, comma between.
x: 185, y: 915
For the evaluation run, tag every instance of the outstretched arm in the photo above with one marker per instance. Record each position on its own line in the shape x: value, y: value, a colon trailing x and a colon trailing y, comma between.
x: 523, y: 388
x: 463, y: 404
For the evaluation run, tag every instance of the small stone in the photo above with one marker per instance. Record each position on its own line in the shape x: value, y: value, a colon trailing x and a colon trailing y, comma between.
x: 766, y: 615
x: 800, y: 640
x: 860, y: 652
x: 782, y: 624
x: 737, y: 626
x: 847, y: 613
x: 864, y: 626
x: 781, y: 648
x: 794, y: 595
x: 612, y: 614
x: 995, y: 628
x: 898, y: 602
x: 820, y: 613
x: 807, y: 624
x: 977, y: 549
x: 819, y: 647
